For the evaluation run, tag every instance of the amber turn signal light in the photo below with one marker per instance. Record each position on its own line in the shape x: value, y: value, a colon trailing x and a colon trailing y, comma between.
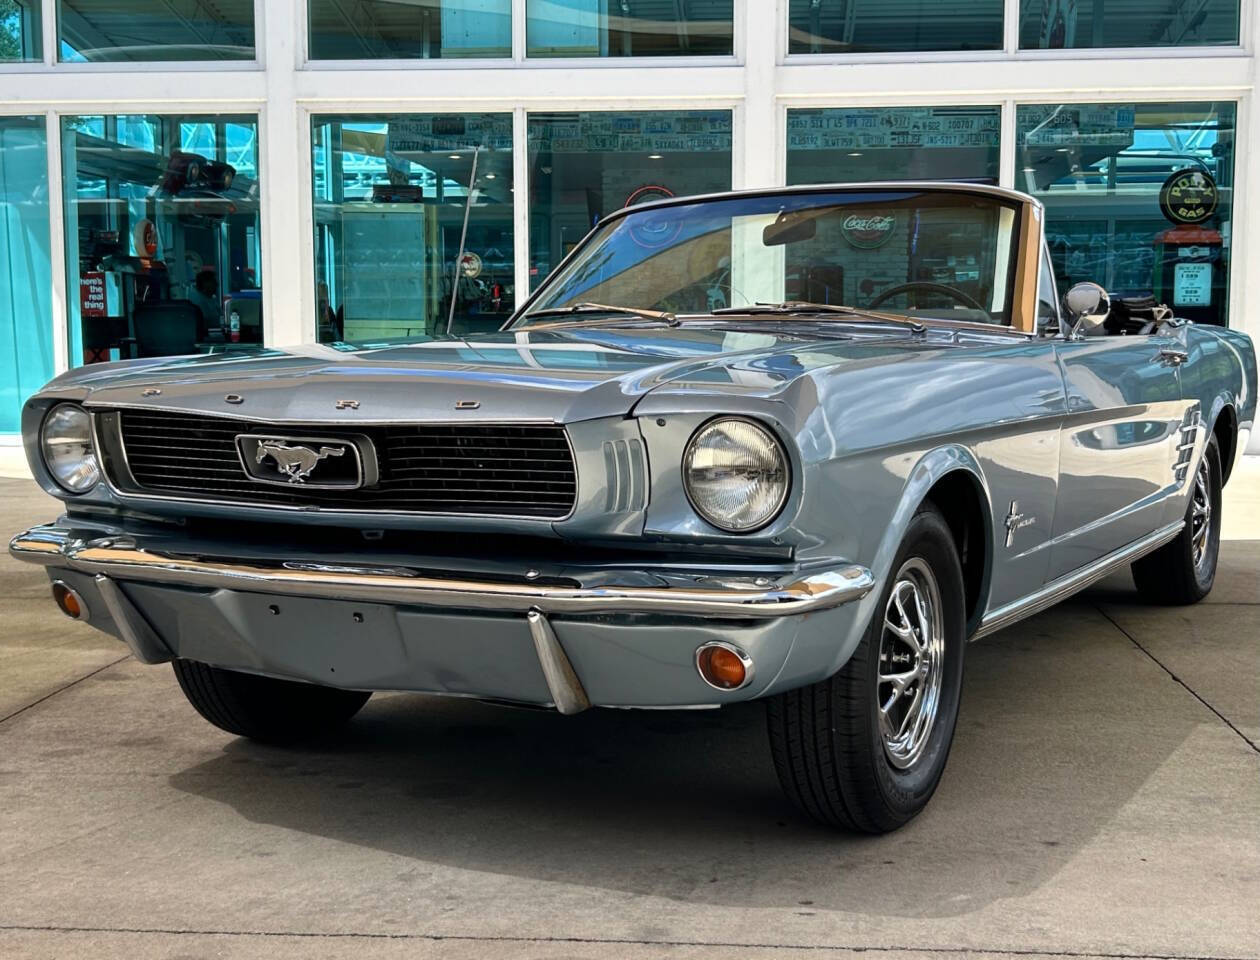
x: 68, y: 601
x: 723, y: 666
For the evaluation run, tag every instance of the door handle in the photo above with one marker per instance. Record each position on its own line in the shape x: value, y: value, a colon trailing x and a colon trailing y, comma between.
x: 1172, y: 356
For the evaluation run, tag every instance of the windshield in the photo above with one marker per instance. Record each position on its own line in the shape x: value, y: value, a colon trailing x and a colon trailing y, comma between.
x: 922, y: 252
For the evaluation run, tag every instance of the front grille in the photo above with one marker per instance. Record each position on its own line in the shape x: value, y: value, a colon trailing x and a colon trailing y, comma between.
x: 519, y: 470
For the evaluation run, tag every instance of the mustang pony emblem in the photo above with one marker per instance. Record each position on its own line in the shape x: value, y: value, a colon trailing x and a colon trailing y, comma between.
x: 296, y: 463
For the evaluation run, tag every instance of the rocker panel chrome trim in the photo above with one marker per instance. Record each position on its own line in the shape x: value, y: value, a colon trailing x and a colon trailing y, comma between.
x: 1077, y: 580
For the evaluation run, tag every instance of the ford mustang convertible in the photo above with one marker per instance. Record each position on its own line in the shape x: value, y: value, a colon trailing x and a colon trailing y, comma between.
x: 795, y: 445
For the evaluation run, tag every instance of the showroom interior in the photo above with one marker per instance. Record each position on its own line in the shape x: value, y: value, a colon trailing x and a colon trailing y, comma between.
x: 188, y: 176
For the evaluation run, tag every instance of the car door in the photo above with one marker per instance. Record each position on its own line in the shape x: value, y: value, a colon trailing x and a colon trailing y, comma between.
x: 1118, y: 445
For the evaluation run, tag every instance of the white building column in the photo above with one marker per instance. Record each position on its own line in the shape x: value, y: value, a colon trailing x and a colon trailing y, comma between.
x: 1245, y: 246
x: 756, y: 121
x: 288, y: 304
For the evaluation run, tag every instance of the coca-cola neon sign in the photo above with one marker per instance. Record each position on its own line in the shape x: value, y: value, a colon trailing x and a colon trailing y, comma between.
x: 867, y: 231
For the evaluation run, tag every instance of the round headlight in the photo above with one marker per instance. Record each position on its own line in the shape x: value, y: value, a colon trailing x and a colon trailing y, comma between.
x: 735, y: 474
x: 66, y: 441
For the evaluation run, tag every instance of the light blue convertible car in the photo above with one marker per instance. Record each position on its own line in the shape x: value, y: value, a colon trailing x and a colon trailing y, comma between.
x: 797, y: 445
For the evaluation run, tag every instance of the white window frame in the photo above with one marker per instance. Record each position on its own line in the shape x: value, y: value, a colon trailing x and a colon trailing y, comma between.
x: 519, y: 54
x: 49, y: 63
x: 1010, y: 48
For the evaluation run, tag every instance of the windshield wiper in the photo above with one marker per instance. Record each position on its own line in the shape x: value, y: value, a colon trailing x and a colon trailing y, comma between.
x: 660, y: 315
x: 797, y: 307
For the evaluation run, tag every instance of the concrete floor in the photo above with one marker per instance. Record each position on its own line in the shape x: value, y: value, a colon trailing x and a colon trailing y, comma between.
x: 1102, y: 799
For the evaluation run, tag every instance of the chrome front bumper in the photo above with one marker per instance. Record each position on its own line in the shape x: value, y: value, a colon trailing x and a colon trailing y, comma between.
x: 736, y: 598
x: 605, y: 637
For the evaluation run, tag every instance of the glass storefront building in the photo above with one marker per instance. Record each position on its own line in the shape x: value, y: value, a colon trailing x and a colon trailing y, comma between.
x: 214, y: 177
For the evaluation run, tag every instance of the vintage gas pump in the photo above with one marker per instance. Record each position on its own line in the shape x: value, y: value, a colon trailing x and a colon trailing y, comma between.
x: 1190, y: 266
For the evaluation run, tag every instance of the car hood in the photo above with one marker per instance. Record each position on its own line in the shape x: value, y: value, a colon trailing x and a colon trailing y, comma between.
x: 558, y: 374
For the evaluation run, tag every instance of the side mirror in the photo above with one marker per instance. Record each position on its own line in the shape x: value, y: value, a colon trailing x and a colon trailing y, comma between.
x: 1087, y: 306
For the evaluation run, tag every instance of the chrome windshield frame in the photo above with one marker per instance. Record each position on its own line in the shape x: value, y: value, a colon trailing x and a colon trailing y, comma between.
x: 1030, y: 221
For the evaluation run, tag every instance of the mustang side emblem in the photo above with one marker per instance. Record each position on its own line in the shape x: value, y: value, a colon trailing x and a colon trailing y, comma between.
x: 296, y: 463
x: 1016, y: 521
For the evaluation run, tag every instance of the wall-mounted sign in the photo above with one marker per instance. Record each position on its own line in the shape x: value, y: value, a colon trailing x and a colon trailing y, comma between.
x: 145, y: 237
x: 658, y: 230
x: 1188, y: 196
x: 470, y: 265
x: 92, y: 294
x: 1085, y: 125
x: 647, y: 194
x: 866, y: 231
x: 891, y: 127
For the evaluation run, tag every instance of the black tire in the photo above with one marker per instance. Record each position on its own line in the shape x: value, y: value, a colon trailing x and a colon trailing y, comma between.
x: 826, y: 740
x: 264, y: 708
x: 1170, y: 575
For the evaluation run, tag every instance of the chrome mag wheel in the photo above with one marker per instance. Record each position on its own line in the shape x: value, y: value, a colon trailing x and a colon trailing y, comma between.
x: 1201, y: 514
x: 911, y: 654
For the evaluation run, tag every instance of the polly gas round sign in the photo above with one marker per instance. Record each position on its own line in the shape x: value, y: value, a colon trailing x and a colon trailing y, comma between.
x: 1188, y: 196
x: 866, y: 231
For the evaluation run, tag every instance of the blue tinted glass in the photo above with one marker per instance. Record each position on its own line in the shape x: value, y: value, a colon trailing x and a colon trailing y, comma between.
x: 419, y: 29
x: 853, y: 144
x: 1139, y: 197
x: 391, y: 193
x: 620, y: 28
x: 1060, y: 24
x: 850, y: 26
x: 155, y: 30
x: 26, y: 360
x: 162, y: 235
x: 20, y: 31
x: 585, y: 165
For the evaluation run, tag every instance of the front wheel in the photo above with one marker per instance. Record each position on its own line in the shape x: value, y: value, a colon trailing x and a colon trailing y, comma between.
x: 264, y: 708
x: 865, y: 749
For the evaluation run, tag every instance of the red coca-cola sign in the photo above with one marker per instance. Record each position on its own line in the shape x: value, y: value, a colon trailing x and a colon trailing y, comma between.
x: 866, y: 231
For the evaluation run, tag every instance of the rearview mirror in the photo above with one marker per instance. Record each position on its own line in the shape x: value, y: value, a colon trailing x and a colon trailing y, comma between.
x: 1087, y: 306
x: 790, y: 227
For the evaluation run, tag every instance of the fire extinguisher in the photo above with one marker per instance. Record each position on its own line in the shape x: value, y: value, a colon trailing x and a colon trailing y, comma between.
x: 234, y: 327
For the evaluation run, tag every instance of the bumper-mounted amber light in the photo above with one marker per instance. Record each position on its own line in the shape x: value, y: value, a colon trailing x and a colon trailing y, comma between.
x: 724, y: 666
x: 68, y: 601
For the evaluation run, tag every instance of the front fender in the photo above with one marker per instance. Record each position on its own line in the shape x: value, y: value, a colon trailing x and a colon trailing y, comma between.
x: 884, y: 529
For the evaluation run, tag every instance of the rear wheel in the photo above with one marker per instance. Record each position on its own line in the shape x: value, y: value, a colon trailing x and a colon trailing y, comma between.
x: 264, y: 708
x: 1183, y: 570
x: 865, y: 749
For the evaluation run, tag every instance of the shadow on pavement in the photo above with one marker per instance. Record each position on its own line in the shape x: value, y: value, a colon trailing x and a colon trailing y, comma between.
x: 685, y: 805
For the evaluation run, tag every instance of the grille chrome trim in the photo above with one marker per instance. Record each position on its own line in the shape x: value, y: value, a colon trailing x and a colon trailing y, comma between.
x: 128, y: 487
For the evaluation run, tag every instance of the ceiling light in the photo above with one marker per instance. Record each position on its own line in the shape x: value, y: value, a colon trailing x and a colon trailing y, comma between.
x: 489, y: 176
x: 1063, y: 150
x: 856, y: 154
x: 654, y: 156
x: 453, y: 156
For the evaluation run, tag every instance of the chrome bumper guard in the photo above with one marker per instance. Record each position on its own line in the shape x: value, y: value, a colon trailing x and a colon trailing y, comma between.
x: 736, y: 598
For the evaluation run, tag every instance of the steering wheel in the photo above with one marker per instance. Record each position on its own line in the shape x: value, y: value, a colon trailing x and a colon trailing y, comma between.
x: 682, y: 300
x: 965, y: 299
